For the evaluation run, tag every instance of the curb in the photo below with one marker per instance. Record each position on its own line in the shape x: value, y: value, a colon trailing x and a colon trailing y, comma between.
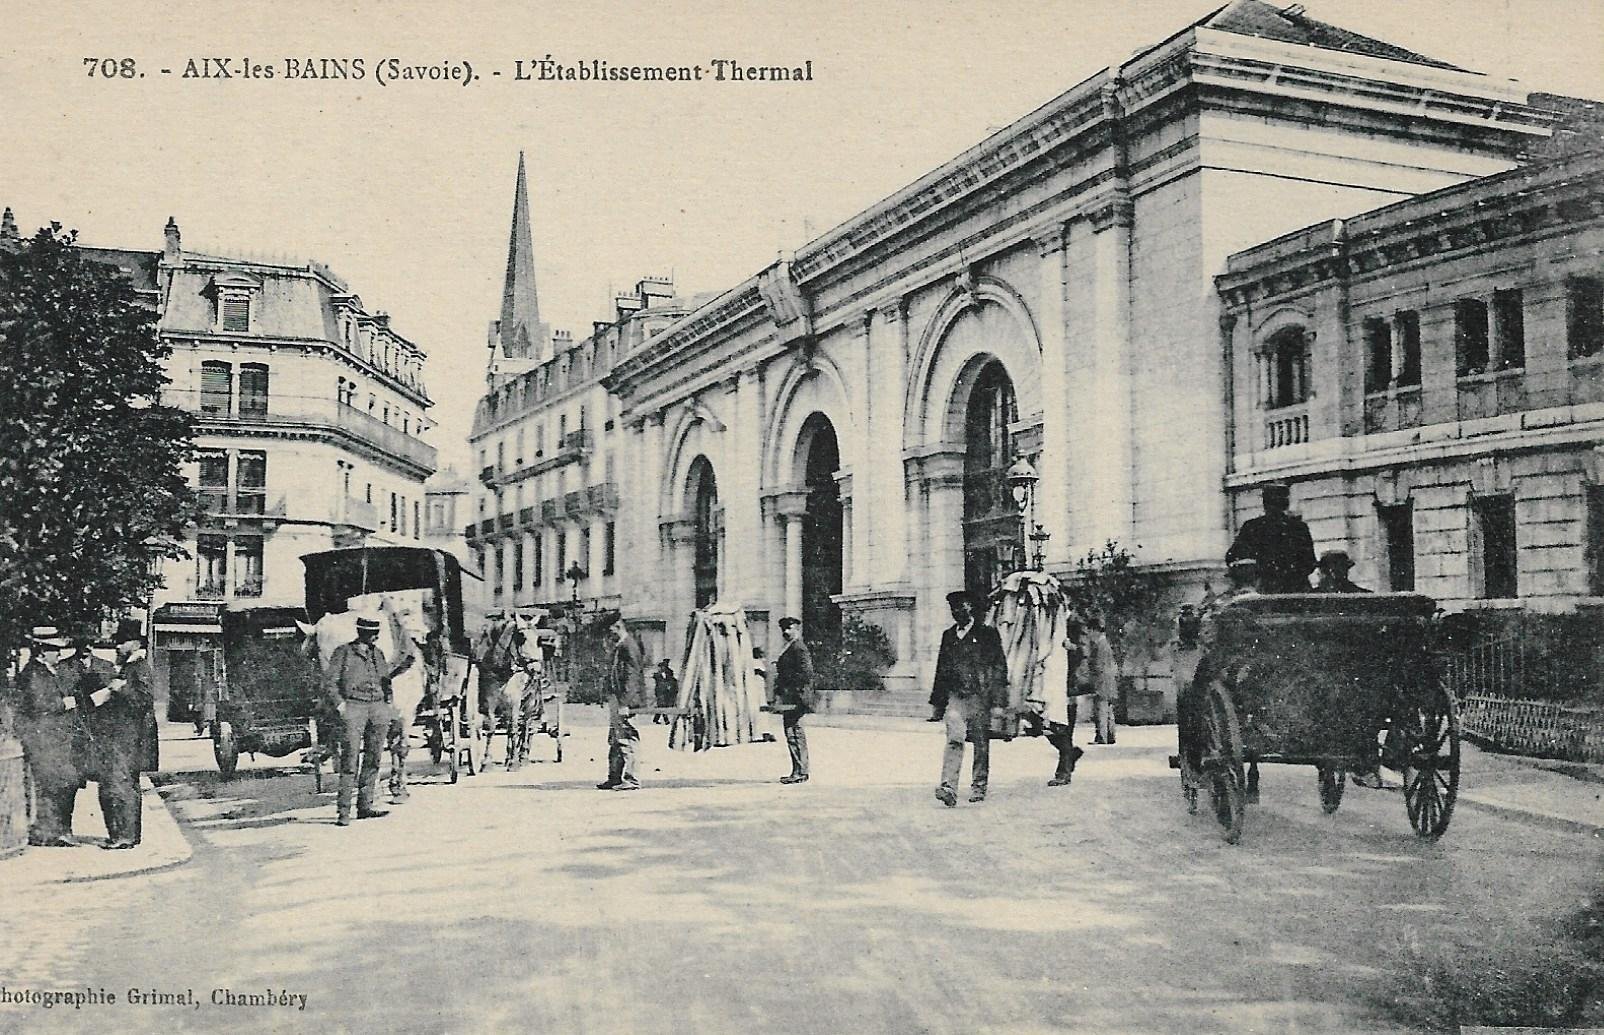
x: 162, y: 832
x: 1569, y: 826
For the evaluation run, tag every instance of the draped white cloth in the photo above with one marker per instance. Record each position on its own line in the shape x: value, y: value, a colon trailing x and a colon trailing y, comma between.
x: 719, y: 693
x: 1030, y: 615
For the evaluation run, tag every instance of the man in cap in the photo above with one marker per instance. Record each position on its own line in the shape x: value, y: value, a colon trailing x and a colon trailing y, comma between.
x: 49, y: 727
x: 123, y: 724
x: 1334, y: 568
x: 971, y: 680
x: 357, y: 684
x: 793, y: 695
x: 1279, y: 541
x: 624, y: 688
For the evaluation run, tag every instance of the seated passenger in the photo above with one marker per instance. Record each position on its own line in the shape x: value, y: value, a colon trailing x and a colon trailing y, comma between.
x: 1333, y: 578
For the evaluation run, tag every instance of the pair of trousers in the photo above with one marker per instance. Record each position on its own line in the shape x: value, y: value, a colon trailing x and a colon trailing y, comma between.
x: 53, y: 802
x: 1103, y: 719
x: 968, y: 718
x: 622, y: 738
x: 796, y: 738
x: 119, y: 803
x: 1063, y: 738
x: 364, y: 728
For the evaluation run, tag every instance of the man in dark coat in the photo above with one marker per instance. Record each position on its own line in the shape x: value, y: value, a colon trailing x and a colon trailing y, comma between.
x: 51, y: 731
x: 624, y: 688
x: 971, y: 680
x: 1279, y: 541
x: 357, y: 684
x: 665, y: 687
x: 793, y: 695
x: 1334, y: 568
x: 123, y: 724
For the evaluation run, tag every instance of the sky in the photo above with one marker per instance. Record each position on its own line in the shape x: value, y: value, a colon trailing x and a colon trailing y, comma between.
x: 405, y: 188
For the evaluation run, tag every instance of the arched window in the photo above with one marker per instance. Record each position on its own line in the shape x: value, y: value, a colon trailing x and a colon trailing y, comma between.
x: 991, y: 519
x: 705, y: 555
x: 1287, y: 374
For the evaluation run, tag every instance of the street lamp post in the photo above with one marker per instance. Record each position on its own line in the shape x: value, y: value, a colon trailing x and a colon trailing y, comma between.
x: 1022, y: 479
x: 573, y: 575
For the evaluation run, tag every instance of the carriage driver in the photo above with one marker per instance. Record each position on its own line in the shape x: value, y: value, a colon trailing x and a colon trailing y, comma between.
x: 357, y: 684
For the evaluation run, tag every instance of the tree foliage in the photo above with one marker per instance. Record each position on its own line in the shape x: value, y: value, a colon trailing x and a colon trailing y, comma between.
x: 91, y: 487
x: 1107, y: 582
x: 856, y: 661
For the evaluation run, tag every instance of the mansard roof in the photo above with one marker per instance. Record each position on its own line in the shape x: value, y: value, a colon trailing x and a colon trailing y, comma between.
x: 1291, y: 25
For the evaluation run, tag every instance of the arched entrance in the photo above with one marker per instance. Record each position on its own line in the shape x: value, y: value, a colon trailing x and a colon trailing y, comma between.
x: 704, y: 554
x: 822, y: 534
x: 991, y: 521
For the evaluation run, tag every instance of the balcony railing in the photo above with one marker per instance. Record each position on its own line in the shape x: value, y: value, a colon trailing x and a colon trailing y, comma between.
x: 574, y: 502
x: 551, y: 510
x: 603, y: 498
x: 471, y: 530
x: 578, y: 441
x: 360, y: 513
x: 526, y: 516
x: 327, y: 413
x: 487, y: 526
x: 1392, y: 410
x: 249, y: 588
x: 504, y: 522
x: 210, y: 591
x: 1286, y: 427
x: 1488, y: 395
x: 487, y: 475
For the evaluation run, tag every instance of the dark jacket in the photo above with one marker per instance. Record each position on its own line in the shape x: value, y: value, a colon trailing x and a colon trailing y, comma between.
x: 974, y: 666
x: 1283, y: 547
x: 1341, y: 585
x: 793, y: 678
x: 666, y: 687
x: 124, y: 728
x: 52, y: 736
x: 625, y: 678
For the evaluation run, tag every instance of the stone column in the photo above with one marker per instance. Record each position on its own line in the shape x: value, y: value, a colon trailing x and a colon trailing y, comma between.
x: 791, y: 507
x: 1053, y: 496
x: 656, y: 556
x: 884, y: 508
x: 740, y: 488
x: 850, y: 575
x: 1109, y: 426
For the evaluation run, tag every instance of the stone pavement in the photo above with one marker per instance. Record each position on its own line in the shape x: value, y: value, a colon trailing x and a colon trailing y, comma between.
x: 162, y: 845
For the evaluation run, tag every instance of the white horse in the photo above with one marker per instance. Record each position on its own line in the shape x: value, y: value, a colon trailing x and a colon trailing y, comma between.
x: 403, y: 628
x: 512, y: 682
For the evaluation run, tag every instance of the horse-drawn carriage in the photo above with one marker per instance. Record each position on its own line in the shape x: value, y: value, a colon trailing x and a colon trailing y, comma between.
x: 417, y: 593
x: 517, y: 695
x: 1342, y: 682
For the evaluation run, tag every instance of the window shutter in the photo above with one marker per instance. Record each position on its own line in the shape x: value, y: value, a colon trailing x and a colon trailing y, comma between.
x: 217, y: 385
x: 235, y: 312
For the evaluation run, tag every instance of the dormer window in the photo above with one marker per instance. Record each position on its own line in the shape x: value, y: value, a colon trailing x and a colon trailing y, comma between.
x: 233, y: 295
x: 234, y: 312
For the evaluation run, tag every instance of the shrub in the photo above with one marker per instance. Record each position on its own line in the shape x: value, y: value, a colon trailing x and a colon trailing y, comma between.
x: 856, y: 661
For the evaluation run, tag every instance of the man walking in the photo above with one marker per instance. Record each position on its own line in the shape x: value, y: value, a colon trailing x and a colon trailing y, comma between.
x: 665, y: 687
x: 971, y: 680
x: 123, y: 724
x: 1102, y: 679
x: 793, y: 695
x: 624, y: 688
x: 1061, y: 735
x: 49, y: 729
x: 357, y: 684
x: 1279, y: 541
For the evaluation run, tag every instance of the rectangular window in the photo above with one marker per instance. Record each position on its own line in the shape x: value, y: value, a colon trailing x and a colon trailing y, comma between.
x: 562, y: 555
x: 234, y: 313
x: 1509, y: 329
x: 217, y: 387
x: 1584, y: 316
x: 583, y: 559
x: 250, y: 495
x: 1470, y: 336
x: 386, y: 412
x: 1398, y: 534
x: 1595, y: 540
x: 501, y: 456
x: 248, y: 567
x: 609, y: 546
x: 539, y: 577
x: 211, y: 567
x: 392, y: 512
x: 518, y: 456
x: 402, y: 529
x: 518, y: 566
x: 1493, y: 522
x: 501, y: 570
x: 253, y: 389
x: 417, y: 524
x: 213, y: 482
x: 1378, y: 355
x: 540, y: 439
x: 367, y: 495
x: 1407, y: 330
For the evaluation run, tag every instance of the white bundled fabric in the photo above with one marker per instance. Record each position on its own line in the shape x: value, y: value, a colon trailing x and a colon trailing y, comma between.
x: 719, y: 694
x: 1029, y: 614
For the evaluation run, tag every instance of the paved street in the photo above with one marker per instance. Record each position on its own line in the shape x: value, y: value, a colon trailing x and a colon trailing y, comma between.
x: 718, y: 900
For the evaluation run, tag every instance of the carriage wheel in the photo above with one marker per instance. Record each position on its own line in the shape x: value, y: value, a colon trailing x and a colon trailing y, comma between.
x: 1224, y: 762
x: 448, y: 739
x: 437, y: 740
x: 1431, y: 771
x: 225, y: 747
x: 1333, y: 782
x: 557, y: 731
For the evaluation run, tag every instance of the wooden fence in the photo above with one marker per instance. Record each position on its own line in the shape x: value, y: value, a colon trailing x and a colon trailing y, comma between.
x: 1539, y: 728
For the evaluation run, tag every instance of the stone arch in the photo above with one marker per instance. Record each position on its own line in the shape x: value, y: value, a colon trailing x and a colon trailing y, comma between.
x: 972, y: 326
x: 694, y: 435
x: 808, y: 388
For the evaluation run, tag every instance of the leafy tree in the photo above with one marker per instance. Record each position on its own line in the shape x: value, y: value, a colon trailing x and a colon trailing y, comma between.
x: 91, y: 491
x: 857, y: 660
x: 1108, y: 582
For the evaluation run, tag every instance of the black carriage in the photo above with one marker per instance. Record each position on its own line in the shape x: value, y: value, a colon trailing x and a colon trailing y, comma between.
x: 267, y: 697
x: 446, y: 713
x: 1341, y: 682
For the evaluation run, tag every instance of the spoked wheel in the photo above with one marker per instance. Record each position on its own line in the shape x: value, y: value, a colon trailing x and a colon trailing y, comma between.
x: 1431, y: 769
x: 225, y: 747
x: 1332, y: 783
x: 448, y: 738
x: 1223, y: 761
x: 437, y: 738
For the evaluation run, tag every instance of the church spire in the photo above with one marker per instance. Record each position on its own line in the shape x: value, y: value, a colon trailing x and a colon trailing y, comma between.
x: 522, y: 335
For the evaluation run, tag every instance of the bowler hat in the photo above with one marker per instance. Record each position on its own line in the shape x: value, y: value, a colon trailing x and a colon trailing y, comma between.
x: 963, y: 594
x: 48, y: 636
x: 1336, y: 559
x: 129, y: 629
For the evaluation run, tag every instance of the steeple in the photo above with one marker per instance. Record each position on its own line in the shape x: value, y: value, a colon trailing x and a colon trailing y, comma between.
x: 521, y: 332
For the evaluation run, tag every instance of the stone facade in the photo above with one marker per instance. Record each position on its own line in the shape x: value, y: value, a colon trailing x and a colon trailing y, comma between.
x: 1448, y: 431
